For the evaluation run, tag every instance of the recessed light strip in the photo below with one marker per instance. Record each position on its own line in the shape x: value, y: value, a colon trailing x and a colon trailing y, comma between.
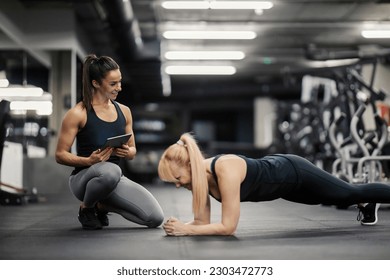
x: 200, y: 70
x: 241, y: 5
x: 20, y: 91
x: 376, y: 34
x: 41, y: 107
x: 217, y: 5
x: 210, y: 35
x: 204, y: 55
x: 184, y: 5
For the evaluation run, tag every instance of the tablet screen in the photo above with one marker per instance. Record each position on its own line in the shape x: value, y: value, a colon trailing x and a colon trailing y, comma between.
x: 117, y: 141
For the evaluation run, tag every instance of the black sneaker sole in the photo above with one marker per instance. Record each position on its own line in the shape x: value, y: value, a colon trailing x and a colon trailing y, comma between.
x: 376, y: 217
x: 103, y: 220
x: 90, y: 227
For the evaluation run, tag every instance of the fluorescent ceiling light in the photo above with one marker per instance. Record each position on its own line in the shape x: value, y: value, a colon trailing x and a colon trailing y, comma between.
x: 204, y: 55
x: 204, y: 5
x: 200, y: 70
x: 20, y: 91
x: 41, y: 107
x: 241, y: 5
x: 376, y: 34
x: 180, y: 5
x: 210, y: 35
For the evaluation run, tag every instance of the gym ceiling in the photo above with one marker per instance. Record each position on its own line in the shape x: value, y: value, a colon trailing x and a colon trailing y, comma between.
x: 291, y: 38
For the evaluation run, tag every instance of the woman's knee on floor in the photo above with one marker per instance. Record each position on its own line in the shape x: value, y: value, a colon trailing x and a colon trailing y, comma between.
x: 155, y: 219
x: 151, y: 217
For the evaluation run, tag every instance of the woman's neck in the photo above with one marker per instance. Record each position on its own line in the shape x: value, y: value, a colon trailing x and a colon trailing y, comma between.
x: 101, y: 102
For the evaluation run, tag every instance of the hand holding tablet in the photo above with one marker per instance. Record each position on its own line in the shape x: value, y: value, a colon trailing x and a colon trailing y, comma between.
x: 117, y: 141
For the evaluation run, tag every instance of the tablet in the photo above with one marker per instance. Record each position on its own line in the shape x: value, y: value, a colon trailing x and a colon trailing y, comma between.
x: 117, y: 141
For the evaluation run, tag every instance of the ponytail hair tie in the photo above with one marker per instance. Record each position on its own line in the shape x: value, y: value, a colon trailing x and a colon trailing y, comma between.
x: 180, y: 142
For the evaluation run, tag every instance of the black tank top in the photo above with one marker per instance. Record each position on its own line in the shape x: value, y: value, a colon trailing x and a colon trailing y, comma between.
x: 95, y: 132
x: 267, y: 178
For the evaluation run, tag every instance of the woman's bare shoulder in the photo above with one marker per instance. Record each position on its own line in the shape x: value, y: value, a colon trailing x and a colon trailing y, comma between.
x: 125, y: 110
x: 231, y: 171
x: 230, y: 164
x: 76, y: 113
x: 123, y: 107
x: 229, y: 158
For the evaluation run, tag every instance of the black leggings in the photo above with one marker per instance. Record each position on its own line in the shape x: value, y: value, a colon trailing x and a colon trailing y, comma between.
x: 318, y: 186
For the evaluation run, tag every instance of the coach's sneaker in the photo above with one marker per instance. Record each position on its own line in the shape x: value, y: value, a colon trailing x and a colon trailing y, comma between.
x: 102, y: 216
x: 368, y: 214
x: 88, y: 218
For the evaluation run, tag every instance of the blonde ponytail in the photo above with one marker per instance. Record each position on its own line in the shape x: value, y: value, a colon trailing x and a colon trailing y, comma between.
x: 185, y: 151
x: 198, y: 174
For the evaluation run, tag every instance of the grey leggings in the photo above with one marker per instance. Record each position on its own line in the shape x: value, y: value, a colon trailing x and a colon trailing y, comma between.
x: 103, y: 182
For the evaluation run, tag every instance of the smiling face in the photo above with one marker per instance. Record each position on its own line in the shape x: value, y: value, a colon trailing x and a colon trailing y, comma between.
x: 110, y: 85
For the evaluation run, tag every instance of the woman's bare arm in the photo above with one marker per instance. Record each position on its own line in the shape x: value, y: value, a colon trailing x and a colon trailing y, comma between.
x: 230, y: 175
x: 71, y: 123
x: 204, y: 217
x: 127, y: 150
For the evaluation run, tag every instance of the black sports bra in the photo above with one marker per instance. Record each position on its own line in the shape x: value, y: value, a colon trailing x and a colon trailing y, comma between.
x: 266, y: 178
x: 212, y: 167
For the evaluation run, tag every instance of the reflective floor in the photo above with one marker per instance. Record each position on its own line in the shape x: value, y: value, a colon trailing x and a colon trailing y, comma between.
x: 277, y: 230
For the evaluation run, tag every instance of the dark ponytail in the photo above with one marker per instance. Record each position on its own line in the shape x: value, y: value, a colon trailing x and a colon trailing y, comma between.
x: 95, y: 68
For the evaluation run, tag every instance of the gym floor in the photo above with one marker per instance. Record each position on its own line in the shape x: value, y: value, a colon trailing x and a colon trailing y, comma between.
x: 277, y: 230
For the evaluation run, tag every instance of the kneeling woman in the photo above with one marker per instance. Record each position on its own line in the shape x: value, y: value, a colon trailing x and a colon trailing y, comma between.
x: 232, y: 179
x: 97, y: 179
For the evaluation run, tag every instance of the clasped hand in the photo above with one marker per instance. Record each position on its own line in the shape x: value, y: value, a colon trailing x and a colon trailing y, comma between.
x: 174, y: 227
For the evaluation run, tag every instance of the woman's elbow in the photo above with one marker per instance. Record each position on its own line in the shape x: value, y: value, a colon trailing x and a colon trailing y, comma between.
x: 229, y: 230
x: 58, y: 158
